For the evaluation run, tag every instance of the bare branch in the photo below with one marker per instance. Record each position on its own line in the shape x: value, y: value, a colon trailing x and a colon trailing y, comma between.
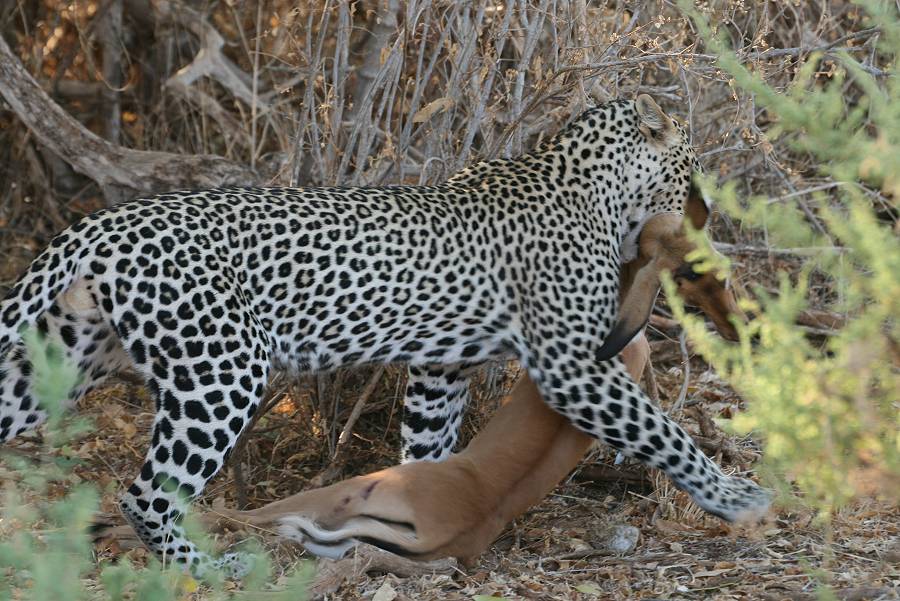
x: 383, y: 29
x: 334, y: 467
x: 110, y: 35
x: 119, y: 171
x: 210, y: 61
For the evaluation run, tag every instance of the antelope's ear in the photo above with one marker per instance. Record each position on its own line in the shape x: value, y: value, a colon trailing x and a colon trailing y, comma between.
x: 696, y: 209
x: 653, y: 122
x: 634, y: 311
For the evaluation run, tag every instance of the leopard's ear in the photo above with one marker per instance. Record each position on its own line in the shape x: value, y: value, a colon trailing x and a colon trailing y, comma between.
x: 634, y: 311
x: 652, y: 121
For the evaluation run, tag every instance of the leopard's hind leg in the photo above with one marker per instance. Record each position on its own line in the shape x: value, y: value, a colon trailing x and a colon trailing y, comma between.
x: 436, y: 399
x: 74, y: 327
x: 207, y: 370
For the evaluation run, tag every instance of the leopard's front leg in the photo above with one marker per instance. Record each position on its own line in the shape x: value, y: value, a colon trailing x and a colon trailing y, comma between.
x: 603, y: 401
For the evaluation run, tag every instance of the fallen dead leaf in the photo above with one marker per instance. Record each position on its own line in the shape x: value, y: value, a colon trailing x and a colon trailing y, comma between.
x: 435, y: 106
x: 385, y: 592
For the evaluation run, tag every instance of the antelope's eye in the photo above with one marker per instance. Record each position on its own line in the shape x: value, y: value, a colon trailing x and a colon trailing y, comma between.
x: 687, y: 272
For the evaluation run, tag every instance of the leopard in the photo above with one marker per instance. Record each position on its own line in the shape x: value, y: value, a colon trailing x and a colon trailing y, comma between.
x: 204, y: 293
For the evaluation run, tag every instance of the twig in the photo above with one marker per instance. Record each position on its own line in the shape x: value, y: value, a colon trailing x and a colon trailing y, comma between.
x: 652, y: 389
x: 378, y: 40
x: 110, y: 34
x: 237, y: 471
x: 608, y: 473
x: 848, y: 594
x: 255, y: 101
x: 209, y: 61
x: 42, y: 182
x: 825, y: 320
x: 796, y: 51
x: 331, y: 471
x: 686, y: 361
x: 344, y: 438
x: 747, y: 249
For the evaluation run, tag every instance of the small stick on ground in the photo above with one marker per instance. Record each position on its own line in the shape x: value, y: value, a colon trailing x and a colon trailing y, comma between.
x: 334, y: 466
x: 608, y: 473
x: 650, y: 386
x: 686, y: 358
x: 237, y: 471
x: 713, y: 440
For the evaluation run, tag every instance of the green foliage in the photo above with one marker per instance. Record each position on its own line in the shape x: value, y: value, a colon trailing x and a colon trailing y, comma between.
x: 45, y: 550
x: 828, y: 412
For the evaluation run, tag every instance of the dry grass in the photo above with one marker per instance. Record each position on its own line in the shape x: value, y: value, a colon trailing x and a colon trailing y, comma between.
x: 386, y: 92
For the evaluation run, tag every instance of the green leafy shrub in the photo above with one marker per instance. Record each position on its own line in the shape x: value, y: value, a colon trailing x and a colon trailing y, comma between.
x: 828, y: 412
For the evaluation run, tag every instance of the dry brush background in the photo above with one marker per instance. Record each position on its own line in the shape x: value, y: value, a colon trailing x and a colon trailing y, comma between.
x: 108, y: 99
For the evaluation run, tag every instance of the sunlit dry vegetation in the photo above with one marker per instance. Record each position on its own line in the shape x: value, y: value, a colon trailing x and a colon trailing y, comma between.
x: 105, y: 100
